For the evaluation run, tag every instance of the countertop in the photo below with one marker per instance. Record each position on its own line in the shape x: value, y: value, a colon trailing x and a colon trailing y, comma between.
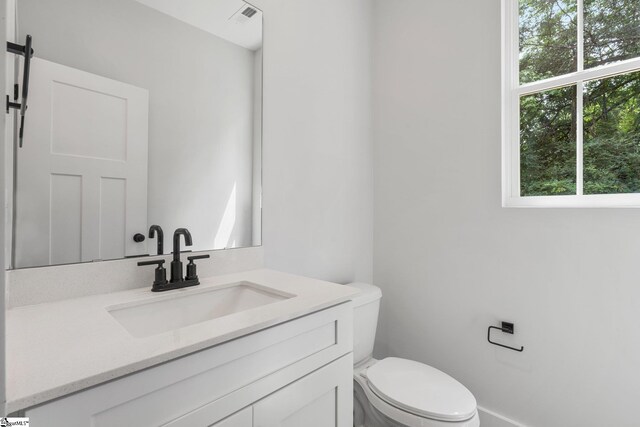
x: 59, y: 348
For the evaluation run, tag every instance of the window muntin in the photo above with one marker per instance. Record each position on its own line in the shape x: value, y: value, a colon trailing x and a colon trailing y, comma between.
x: 560, y: 148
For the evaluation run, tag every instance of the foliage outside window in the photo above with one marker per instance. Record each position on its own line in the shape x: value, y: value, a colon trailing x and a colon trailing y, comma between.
x: 571, y: 102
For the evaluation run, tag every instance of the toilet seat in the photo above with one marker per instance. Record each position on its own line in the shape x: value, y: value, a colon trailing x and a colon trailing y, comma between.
x: 421, y: 389
x: 400, y: 389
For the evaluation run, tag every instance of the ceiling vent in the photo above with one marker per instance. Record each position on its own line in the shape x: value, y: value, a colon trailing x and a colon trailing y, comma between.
x: 249, y: 12
x: 244, y: 14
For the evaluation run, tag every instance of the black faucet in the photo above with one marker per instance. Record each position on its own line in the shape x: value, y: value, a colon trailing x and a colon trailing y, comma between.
x: 176, y: 264
x: 152, y: 233
x: 177, y: 279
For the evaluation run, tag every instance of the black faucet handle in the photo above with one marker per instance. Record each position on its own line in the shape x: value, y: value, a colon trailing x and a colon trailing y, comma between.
x: 157, y: 262
x: 195, y: 257
x: 160, y: 281
x: 191, y: 267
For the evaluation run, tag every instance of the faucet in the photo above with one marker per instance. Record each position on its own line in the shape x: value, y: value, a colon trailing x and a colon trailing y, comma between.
x: 152, y: 233
x: 177, y: 279
x: 176, y: 264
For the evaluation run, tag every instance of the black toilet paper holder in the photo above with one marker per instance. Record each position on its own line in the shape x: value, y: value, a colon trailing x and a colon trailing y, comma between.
x: 507, y: 328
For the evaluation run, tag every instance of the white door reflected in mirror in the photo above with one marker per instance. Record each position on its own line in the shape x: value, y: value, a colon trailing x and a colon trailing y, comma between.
x: 82, y: 177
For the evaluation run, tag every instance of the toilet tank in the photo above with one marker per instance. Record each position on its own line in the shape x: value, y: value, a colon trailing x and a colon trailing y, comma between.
x: 365, y: 320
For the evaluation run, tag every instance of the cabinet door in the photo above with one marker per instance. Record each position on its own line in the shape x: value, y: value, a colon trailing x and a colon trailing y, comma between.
x: 243, y: 418
x: 324, y: 398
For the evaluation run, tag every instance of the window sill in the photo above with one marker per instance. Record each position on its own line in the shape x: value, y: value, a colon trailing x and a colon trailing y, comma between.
x: 592, y: 201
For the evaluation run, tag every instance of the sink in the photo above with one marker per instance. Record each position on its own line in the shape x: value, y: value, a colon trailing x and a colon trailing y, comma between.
x: 188, y: 307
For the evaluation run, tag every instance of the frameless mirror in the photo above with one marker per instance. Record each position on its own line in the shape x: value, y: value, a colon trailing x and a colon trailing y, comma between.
x: 141, y: 113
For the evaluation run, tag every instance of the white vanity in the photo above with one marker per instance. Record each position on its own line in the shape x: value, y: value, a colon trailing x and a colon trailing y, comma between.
x: 272, y: 349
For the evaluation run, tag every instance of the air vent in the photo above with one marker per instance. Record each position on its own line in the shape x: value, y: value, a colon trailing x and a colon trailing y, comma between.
x: 244, y: 14
x: 249, y: 12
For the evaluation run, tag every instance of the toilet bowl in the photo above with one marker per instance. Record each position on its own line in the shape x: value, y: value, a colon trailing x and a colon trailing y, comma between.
x: 396, y: 392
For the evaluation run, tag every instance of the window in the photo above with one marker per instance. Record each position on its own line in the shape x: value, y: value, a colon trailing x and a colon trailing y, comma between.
x: 571, y: 103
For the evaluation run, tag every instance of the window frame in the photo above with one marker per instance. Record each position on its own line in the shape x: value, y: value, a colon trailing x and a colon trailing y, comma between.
x: 511, y: 93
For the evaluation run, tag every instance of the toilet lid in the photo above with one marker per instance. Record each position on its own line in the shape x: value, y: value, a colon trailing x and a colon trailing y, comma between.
x: 421, y: 390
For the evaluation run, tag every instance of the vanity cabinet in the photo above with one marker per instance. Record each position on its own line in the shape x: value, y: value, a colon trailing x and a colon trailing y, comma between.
x: 320, y: 399
x: 317, y: 400
x: 244, y: 418
x: 292, y: 374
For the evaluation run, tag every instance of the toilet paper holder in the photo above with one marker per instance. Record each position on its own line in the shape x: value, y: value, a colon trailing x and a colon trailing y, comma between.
x: 507, y: 328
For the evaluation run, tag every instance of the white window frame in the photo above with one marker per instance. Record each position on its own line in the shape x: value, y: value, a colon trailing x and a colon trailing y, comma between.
x: 511, y: 93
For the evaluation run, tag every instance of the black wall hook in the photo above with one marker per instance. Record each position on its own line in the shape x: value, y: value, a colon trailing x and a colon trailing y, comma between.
x: 507, y: 328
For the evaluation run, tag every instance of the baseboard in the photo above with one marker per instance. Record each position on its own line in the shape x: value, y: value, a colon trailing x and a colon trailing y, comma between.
x: 491, y: 419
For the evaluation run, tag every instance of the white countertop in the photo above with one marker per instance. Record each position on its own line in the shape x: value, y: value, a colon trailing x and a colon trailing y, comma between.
x: 55, y: 349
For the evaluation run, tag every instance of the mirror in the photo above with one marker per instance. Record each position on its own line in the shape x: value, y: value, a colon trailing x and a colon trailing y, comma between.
x: 141, y: 113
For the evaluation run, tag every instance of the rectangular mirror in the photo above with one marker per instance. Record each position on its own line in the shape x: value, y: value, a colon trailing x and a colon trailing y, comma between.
x: 141, y: 113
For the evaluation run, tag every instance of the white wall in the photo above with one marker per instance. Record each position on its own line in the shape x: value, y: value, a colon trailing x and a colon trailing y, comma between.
x: 317, y: 142
x: 5, y: 7
x: 201, y: 106
x: 451, y: 261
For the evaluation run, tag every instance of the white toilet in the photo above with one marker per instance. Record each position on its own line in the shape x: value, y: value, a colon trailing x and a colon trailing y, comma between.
x: 401, y: 392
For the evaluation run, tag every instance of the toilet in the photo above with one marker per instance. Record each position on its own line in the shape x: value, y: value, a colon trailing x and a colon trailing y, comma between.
x: 399, y: 392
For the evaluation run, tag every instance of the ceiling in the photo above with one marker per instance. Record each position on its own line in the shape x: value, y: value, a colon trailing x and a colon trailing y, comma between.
x: 222, y: 18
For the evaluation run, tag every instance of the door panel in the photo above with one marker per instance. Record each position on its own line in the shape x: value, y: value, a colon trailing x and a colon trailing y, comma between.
x: 83, y: 130
x: 243, y: 418
x: 66, y: 213
x: 318, y: 413
x: 88, y: 123
x: 321, y: 399
x: 113, y: 218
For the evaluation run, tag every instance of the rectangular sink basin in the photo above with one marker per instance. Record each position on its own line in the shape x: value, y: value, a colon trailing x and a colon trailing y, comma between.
x: 188, y: 307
